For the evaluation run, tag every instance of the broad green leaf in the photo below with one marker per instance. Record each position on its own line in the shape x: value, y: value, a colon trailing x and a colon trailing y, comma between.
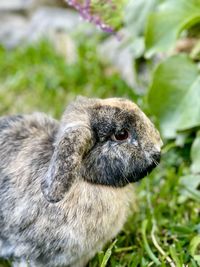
x: 174, y: 95
x: 137, y: 12
x: 165, y: 25
x: 195, y: 155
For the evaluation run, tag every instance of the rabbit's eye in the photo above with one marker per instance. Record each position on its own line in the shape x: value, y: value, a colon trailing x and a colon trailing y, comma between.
x: 121, y: 136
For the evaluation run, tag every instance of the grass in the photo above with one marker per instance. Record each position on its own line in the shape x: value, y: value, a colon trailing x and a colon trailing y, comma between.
x: 37, y: 78
x: 164, y: 229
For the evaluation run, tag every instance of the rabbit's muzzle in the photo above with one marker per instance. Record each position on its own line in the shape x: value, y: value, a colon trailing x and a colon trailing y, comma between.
x: 119, y: 167
x: 152, y: 162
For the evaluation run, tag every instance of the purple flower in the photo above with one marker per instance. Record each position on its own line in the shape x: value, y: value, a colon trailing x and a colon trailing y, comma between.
x: 84, y: 7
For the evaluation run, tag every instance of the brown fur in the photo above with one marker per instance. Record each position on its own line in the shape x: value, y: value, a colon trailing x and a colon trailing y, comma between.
x: 84, y: 175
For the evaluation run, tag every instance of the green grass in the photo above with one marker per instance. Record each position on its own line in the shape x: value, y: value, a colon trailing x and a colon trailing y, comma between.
x: 37, y: 78
x: 163, y: 228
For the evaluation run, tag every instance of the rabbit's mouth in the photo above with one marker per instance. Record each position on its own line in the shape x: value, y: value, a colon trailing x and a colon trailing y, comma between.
x: 117, y: 174
x: 147, y: 168
x: 140, y: 168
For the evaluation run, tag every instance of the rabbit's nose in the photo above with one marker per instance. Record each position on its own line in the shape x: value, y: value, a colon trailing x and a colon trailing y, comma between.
x: 156, y: 156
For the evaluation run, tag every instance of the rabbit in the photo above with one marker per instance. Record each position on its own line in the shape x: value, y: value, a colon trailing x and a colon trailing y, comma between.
x: 66, y: 186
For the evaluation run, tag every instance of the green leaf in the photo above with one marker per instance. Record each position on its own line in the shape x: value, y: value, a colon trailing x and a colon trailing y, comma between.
x: 189, y: 184
x: 195, y: 155
x: 174, y: 95
x: 137, y: 12
x: 165, y: 25
x: 135, y: 19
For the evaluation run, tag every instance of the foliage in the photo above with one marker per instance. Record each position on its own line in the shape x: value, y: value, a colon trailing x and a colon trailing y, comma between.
x: 174, y: 95
x: 169, y: 20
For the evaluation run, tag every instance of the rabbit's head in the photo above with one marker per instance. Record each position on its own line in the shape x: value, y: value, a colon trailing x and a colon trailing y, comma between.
x: 108, y: 142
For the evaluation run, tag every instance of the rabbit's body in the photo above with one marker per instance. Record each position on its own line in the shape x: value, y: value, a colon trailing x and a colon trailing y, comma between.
x: 84, y: 165
x: 30, y: 227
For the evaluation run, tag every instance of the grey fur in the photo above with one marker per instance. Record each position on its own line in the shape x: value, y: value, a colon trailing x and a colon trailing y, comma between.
x: 84, y: 176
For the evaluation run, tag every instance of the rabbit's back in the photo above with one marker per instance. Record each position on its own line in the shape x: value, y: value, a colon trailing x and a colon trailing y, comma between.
x: 26, y: 146
x: 25, y: 141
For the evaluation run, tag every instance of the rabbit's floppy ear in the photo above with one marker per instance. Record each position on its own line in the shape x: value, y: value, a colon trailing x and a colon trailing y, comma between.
x: 74, y: 139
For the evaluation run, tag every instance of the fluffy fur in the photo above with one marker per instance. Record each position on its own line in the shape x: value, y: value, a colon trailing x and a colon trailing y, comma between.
x: 65, y: 186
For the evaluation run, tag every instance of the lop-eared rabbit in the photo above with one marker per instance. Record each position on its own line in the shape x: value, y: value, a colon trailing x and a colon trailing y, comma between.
x: 65, y: 186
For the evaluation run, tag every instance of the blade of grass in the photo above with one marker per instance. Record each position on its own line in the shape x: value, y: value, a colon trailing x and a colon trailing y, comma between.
x: 108, y: 254
x: 146, y: 245
x: 119, y: 250
x: 174, y: 256
x: 155, y: 242
x: 154, y: 227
